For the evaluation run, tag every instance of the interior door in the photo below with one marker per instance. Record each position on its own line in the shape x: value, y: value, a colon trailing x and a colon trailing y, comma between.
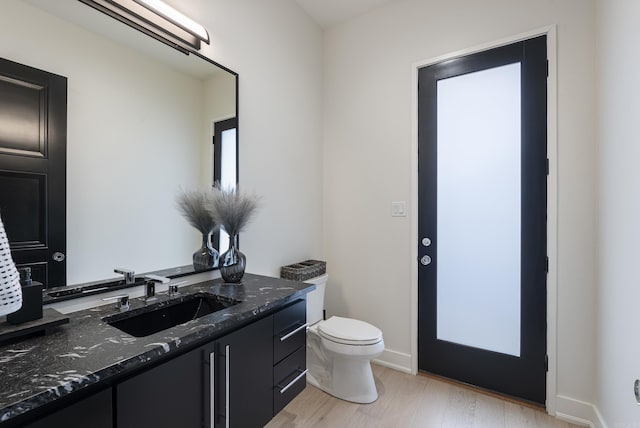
x: 225, y: 167
x: 33, y: 129
x: 482, y: 219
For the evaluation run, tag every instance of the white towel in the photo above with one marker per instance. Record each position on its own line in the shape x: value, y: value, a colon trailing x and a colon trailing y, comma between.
x: 10, y: 290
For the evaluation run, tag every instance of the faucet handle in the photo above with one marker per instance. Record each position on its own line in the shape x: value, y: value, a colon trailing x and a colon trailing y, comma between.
x: 173, y: 290
x: 122, y: 301
x: 129, y: 275
x: 156, y: 278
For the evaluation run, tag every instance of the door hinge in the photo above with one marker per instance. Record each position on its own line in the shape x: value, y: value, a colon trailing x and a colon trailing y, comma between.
x: 547, y: 68
x: 546, y: 264
x: 547, y: 167
x: 546, y: 363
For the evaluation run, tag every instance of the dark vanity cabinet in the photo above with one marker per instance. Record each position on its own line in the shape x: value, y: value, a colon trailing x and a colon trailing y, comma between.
x: 289, y: 354
x: 94, y: 411
x: 169, y: 395
x: 258, y: 369
x: 241, y: 379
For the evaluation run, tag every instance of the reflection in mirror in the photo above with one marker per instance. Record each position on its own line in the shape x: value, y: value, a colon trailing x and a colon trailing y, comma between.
x: 140, y: 126
x: 225, y: 166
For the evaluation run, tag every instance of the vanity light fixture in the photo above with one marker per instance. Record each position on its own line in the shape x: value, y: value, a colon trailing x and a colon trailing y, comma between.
x: 172, y: 15
x: 156, y: 19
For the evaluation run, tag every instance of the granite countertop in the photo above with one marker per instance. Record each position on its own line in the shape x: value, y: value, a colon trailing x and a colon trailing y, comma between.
x: 88, y: 351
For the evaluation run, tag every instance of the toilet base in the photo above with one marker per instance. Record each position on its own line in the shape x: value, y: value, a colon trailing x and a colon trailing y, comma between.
x: 342, y: 370
x: 351, y: 380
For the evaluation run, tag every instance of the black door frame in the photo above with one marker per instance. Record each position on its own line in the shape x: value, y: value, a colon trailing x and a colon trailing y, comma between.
x: 551, y: 192
x: 219, y: 127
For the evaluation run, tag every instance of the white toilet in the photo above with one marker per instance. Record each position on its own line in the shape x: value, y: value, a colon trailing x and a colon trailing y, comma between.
x: 340, y: 350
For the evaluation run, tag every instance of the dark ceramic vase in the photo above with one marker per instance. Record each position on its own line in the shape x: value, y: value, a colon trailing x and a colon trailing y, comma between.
x: 206, y: 256
x: 232, y: 262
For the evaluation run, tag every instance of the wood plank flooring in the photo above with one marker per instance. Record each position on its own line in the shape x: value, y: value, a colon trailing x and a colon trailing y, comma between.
x: 411, y: 401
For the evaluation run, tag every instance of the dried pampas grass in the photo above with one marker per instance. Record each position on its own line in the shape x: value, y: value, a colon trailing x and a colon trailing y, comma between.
x: 196, y: 207
x: 234, y: 209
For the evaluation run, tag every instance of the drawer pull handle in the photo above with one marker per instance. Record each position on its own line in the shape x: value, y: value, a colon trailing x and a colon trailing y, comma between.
x: 227, y: 415
x: 283, y: 389
x: 212, y: 386
x: 288, y: 335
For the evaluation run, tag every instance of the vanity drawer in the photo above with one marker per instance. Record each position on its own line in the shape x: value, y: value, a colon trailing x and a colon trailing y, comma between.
x: 289, y: 330
x: 289, y: 378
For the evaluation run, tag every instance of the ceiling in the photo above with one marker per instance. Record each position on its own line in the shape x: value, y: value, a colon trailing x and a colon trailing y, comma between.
x: 331, y: 12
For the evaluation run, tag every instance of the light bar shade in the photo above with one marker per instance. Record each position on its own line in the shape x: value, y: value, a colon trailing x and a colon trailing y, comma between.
x: 177, y: 18
x: 156, y: 19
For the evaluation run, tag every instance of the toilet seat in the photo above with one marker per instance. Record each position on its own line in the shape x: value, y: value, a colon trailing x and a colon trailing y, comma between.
x: 348, y: 331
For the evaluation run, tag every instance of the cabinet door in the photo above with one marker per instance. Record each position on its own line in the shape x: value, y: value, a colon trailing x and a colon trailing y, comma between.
x: 94, y: 412
x: 243, y: 393
x: 167, y: 396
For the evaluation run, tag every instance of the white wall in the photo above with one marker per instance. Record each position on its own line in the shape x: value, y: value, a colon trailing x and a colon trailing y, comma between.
x: 219, y: 104
x: 619, y: 212
x: 277, y: 50
x: 367, y: 164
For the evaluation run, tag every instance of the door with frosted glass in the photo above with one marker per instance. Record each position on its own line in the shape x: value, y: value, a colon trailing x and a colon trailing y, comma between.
x: 482, y: 219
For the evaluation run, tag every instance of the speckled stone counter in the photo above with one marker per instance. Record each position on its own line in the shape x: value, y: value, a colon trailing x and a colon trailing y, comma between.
x: 88, y: 351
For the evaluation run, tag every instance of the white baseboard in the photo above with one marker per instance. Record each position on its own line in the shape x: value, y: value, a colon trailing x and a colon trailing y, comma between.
x: 578, y: 412
x: 599, y: 420
x: 394, y: 360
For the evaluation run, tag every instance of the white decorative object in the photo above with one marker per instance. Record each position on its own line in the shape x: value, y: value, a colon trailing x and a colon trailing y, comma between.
x: 10, y: 290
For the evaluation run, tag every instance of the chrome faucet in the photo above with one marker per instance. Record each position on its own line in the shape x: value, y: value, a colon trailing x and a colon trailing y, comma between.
x: 129, y: 275
x: 122, y: 301
x: 150, y: 282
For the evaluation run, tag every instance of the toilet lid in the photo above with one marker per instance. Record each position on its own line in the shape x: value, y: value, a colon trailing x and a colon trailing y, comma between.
x: 349, y: 331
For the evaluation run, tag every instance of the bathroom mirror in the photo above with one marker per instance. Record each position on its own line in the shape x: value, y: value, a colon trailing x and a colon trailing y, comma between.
x: 140, y: 123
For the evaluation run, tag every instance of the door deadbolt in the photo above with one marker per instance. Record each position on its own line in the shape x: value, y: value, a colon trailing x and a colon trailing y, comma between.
x: 425, y: 260
x: 58, y: 256
x: 426, y: 242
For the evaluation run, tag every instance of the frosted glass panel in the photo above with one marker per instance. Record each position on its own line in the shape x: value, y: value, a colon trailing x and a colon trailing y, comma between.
x: 478, y: 264
x: 228, y: 172
x: 228, y: 161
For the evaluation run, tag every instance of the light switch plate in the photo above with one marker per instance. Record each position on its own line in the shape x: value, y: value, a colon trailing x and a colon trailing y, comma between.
x: 399, y: 209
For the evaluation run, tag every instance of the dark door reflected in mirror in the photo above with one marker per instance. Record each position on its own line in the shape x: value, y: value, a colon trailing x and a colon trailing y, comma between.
x: 140, y: 125
x: 33, y: 149
x: 225, y: 166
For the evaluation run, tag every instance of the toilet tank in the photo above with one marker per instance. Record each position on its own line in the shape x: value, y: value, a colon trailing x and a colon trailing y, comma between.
x: 315, y: 299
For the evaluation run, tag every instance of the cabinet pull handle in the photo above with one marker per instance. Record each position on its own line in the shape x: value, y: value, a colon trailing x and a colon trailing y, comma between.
x: 291, y: 333
x: 283, y: 389
x: 212, y: 394
x: 227, y: 407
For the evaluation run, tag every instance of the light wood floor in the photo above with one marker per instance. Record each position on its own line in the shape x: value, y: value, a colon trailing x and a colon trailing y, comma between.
x: 411, y: 401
